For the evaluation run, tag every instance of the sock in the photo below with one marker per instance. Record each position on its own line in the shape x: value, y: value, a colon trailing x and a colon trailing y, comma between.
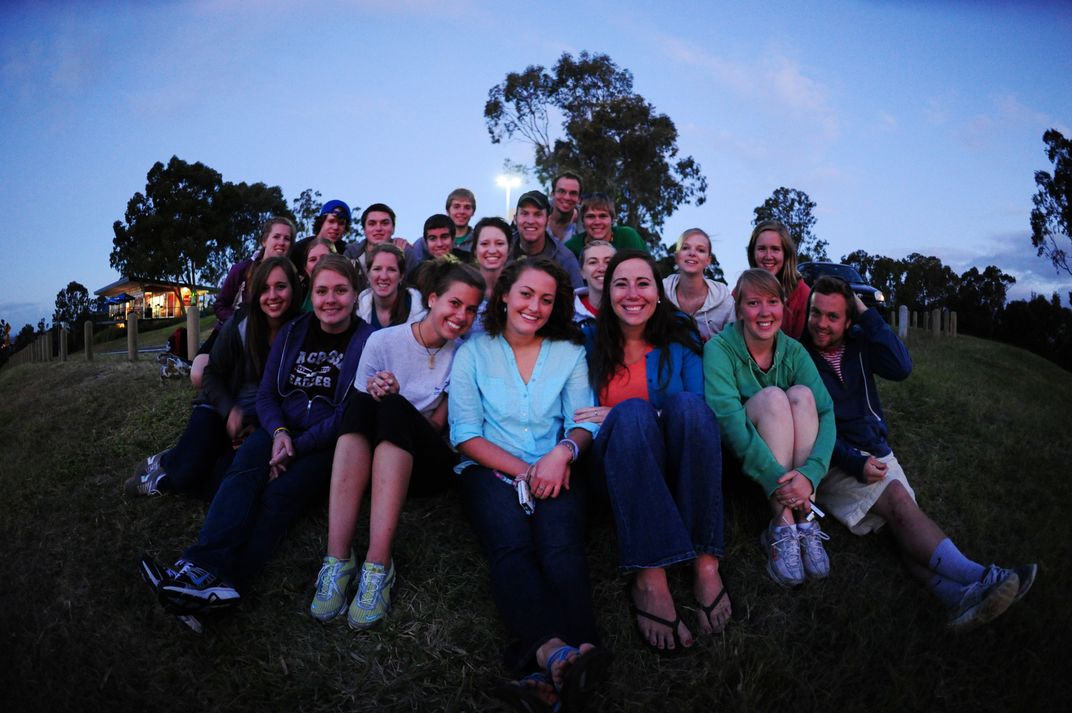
x: 947, y: 561
x: 948, y: 591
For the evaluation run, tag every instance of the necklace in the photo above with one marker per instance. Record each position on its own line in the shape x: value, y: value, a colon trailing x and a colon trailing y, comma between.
x: 431, y: 353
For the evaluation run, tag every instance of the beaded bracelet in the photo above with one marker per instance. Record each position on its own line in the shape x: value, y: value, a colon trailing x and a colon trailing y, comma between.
x: 574, y: 449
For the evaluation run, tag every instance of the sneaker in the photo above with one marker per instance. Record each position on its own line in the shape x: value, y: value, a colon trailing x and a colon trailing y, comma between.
x: 782, y: 546
x: 331, y: 586
x: 194, y: 589
x: 985, y: 600
x: 373, y: 598
x: 147, y: 480
x: 816, y: 563
x: 1026, y: 574
x: 153, y: 572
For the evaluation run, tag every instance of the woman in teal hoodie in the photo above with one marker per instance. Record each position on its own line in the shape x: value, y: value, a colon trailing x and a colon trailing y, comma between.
x: 777, y: 417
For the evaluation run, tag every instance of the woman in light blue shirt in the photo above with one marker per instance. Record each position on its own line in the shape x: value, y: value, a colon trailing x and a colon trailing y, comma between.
x: 514, y: 390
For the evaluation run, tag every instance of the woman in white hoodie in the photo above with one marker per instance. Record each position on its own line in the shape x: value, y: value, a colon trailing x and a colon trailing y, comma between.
x: 708, y: 302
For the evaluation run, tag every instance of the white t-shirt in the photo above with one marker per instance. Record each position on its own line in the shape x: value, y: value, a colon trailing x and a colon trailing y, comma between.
x: 422, y: 378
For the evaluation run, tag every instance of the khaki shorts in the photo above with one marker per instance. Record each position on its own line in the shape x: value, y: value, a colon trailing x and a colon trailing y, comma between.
x: 850, y: 501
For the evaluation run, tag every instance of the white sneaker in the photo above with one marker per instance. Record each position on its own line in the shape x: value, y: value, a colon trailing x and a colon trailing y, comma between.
x: 816, y: 562
x: 782, y: 545
x: 985, y: 600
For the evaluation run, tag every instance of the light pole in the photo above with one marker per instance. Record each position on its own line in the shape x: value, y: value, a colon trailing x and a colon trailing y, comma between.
x: 508, y: 181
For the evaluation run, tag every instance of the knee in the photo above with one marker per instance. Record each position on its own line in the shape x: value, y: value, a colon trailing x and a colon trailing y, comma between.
x: 691, y: 409
x: 197, y: 369
x: 770, y: 401
x: 634, y: 414
x: 800, y: 396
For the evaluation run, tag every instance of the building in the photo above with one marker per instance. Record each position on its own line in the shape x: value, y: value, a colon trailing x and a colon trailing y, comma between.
x: 150, y: 299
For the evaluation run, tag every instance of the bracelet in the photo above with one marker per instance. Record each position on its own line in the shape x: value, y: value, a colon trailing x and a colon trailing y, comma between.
x: 574, y: 449
x: 281, y: 429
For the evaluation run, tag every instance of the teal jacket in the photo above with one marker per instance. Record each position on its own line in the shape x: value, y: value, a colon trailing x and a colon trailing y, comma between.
x: 731, y: 377
x: 683, y: 370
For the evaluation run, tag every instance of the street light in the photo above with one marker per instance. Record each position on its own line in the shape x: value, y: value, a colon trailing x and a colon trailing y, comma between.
x: 508, y: 181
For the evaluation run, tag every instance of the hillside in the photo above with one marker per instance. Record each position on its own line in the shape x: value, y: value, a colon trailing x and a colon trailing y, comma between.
x: 981, y: 429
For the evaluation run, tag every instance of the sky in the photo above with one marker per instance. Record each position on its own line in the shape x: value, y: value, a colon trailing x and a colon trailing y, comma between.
x: 915, y: 126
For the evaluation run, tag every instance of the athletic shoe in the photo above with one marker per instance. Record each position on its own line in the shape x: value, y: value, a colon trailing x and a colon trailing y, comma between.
x: 153, y: 572
x: 332, y: 584
x: 985, y: 600
x: 194, y: 589
x: 782, y: 545
x: 1026, y: 574
x: 147, y: 480
x: 373, y: 598
x: 816, y: 563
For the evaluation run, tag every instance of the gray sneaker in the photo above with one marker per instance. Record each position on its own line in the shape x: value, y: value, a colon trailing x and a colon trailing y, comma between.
x: 1025, y: 573
x: 782, y: 545
x: 816, y: 563
x: 985, y: 600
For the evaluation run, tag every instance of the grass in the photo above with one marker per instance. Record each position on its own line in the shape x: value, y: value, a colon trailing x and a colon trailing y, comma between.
x: 980, y: 427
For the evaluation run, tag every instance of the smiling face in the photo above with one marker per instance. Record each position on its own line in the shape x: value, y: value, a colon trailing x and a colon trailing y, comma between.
x: 492, y: 248
x: 529, y: 303
x: 594, y: 267
x: 379, y: 228
x: 769, y: 253
x: 566, y: 195
x: 451, y: 314
x: 597, y: 224
x: 694, y: 255
x: 760, y: 315
x: 278, y: 240
x: 313, y: 256
x: 633, y: 293
x: 438, y: 241
x: 460, y: 211
x: 531, y: 226
x: 277, y: 294
x: 333, y: 228
x: 384, y: 275
x: 333, y: 301
x: 828, y: 320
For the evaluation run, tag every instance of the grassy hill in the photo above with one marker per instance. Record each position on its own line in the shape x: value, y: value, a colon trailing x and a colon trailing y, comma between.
x: 981, y: 428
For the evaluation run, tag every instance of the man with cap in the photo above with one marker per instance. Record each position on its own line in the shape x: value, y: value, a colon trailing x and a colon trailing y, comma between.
x: 532, y: 238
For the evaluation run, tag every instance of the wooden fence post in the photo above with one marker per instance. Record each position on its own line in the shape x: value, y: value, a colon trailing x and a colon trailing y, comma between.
x: 902, y: 323
x: 193, y: 331
x: 132, y: 336
x: 952, y: 324
x: 936, y: 321
x: 88, y: 338
x: 63, y: 344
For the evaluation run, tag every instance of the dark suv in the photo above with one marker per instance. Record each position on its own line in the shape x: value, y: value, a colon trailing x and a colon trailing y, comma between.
x: 812, y: 271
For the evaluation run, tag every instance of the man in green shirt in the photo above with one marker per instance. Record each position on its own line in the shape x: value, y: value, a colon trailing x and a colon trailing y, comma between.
x: 597, y: 217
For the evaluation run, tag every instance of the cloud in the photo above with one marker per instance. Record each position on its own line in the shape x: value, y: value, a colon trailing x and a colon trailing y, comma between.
x: 1006, y: 112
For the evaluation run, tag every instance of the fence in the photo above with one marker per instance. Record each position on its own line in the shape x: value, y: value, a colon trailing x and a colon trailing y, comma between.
x: 41, y: 348
x: 938, y: 322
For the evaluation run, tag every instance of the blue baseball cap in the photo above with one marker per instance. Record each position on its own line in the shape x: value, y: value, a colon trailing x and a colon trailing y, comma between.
x: 336, y: 206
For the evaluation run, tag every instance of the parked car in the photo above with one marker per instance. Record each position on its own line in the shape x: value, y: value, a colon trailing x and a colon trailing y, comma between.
x: 812, y: 271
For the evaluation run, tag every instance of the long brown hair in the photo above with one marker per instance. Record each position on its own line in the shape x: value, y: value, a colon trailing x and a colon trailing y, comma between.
x: 400, y: 309
x: 257, y: 327
x: 788, y: 275
x: 560, y: 324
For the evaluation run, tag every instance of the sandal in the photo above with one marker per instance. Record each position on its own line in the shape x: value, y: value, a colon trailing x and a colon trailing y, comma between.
x: 521, y: 696
x: 710, y: 609
x: 581, y: 676
x: 673, y: 626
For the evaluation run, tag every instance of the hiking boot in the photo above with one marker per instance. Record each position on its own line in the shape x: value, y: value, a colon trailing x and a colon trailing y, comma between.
x: 332, y: 584
x: 373, y: 598
x: 194, y: 589
x: 816, y: 563
x: 782, y: 546
x: 985, y: 600
x: 147, y: 480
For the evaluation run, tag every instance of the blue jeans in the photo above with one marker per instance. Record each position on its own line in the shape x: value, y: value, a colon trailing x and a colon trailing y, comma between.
x: 663, y: 477
x: 250, y: 514
x: 539, y: 575
x: 198, y: 462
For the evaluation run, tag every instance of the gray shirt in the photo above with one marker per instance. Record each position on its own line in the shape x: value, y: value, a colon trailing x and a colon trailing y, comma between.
x: 423, y: 374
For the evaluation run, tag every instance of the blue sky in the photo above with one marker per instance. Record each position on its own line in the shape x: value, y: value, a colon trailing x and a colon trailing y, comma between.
x: 915, y: 126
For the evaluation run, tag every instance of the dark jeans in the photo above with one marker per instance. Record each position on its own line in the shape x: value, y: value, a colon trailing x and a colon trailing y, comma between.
x: 663, y: 477
x: 539, y: 576
x: 250, y: 514
x: 198, y: 462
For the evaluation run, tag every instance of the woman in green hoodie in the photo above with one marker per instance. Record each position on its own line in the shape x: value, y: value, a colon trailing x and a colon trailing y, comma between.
x: 777, y: 417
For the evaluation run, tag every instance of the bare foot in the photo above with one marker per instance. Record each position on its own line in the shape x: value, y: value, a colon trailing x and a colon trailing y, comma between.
x: 709, y: 590
x: 651, y: 594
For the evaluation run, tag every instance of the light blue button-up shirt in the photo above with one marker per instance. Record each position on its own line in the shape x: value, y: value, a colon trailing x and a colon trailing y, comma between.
x: 489, y: 399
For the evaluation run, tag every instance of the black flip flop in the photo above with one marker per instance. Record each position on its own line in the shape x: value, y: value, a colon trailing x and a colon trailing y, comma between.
x: 710, y: 608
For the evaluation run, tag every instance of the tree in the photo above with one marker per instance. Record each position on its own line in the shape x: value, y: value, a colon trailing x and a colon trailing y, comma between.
x: 611, y: 136
x: 1051, y: 219
x: 881, y: 272
x: 72, y: 305
x: 793, y: 209
x: 928, y: 284
x: 306, y: 208
x: 189, y: 225
x: 980, y: 300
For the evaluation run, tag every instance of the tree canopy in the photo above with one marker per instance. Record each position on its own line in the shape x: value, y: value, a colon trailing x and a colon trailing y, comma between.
x: 793, y: 209
x: 73, y: 305
x: 1051, y: 219
x: 610, y: 136
x: 189, y: 225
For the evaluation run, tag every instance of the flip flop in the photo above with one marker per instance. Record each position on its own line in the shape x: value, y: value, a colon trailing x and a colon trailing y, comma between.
x: 710, y: 609
x: 582, y: 676
x: 679, y: 647
x: 524, y: 698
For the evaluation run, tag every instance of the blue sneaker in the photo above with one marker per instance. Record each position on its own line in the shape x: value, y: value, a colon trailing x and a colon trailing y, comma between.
x: 332, y: 584
x: 194, y: 589
x: 782, y: 545
x: 373, y: 599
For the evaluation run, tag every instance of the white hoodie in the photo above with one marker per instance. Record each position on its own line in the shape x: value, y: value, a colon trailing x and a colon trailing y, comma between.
x: 716, y: 311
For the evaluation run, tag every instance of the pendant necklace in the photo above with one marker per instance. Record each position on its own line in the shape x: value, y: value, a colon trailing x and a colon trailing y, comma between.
x: 431, y: 353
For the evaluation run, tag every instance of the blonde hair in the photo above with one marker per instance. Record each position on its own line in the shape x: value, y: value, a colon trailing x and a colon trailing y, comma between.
x: 788, y: 275
x: 759, y: 281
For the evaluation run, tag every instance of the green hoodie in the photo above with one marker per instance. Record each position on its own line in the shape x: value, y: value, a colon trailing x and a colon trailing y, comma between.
x: 731, y: 377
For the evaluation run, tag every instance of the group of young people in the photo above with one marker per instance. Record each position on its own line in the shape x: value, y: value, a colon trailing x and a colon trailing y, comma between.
x: 537, y: 367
